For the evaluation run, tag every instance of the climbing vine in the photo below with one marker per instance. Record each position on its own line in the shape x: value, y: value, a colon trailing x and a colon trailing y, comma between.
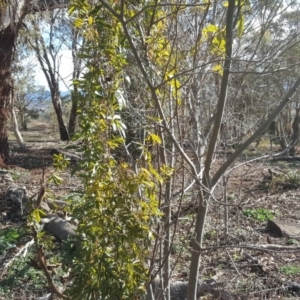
x: 119, y: 208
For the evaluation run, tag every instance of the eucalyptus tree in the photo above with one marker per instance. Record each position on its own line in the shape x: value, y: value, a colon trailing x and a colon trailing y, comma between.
x: 12, y: 14
x: 49, y: 39
x: 28, y: 97
x: 48, y: 43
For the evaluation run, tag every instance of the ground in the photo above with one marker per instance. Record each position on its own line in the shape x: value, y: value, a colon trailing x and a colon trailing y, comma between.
x: 24, y: 279
x: 251, y: 196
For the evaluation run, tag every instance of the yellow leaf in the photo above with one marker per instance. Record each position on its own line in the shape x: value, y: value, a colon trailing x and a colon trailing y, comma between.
x: 218, y: 68
x: 166, y: 170
x: 153, y: 138
x: 78, y: 23
x: 90, y: 20
x: 211, y: 28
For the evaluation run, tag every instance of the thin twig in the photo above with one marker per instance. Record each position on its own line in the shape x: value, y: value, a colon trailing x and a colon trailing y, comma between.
x: 24, y: 248
x: 233, y: 263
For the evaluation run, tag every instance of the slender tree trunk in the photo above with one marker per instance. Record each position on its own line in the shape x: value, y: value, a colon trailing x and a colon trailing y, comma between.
x: 22, y: 119
x: 63, y: 131
x: 73, y: 113
x: 204, y: 195
x: 77, y: 61
x: 167, y: 244
x: 295, y: 135
x: 17, y: 133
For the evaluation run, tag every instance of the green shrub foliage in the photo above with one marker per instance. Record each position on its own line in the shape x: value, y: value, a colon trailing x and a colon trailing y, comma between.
x: 119, y: 208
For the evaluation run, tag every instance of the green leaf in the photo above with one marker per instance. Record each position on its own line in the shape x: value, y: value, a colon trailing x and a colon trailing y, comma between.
x: 36, y: 215
x: 56, y: 179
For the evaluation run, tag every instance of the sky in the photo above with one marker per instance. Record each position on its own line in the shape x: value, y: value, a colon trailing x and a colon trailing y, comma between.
x: 65, y: 72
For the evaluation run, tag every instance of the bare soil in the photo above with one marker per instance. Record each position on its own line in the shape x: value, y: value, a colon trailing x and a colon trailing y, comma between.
x: 228, y: 261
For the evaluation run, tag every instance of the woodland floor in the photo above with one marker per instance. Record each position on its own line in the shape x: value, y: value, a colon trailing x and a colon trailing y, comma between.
x: 254, y: 274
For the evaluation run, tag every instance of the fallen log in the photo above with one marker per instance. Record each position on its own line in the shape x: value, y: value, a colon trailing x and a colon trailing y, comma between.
x: 287, y: 158
x: 71, y: 156
x: 60, y: 228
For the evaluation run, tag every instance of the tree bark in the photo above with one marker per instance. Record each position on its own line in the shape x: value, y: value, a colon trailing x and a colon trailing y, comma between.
x: 73, y: 115
x: 11, y: 16
x: 17, y: 133
x: 77, y: 62
x: 295, y: 135
x: 7, y: 40
x: 56, y: 101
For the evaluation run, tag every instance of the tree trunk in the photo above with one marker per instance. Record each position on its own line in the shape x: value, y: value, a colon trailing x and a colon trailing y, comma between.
x: 7, y: 39
x: 295, y: 135
x: 77, y: 62
x: 73, y: 113
x: 22, y: 119
x: 18, y: 135
x: 203, y: 195
x: 56, y: 101
x: 11, y: 16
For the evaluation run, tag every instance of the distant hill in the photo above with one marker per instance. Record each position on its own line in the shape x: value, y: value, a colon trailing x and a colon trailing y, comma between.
x: 39, y: 100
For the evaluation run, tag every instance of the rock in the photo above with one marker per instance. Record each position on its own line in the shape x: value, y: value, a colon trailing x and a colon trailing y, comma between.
x: 293, y: 287
x: 46, y: 297
x: 284, y: 229
x: 44, y: 205
x: 178, y: 290
x: 6, y: 176
x: 16, y: 199
x: 60, y: 228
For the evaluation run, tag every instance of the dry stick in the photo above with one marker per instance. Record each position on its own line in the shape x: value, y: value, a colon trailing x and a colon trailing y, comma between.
x: 24, y: 248
x: 176, y: 224
x: 233, y: 262
x: 267, y: 290
x: 226, y: 219
x: 39, y: 249
x: 263, y: 247
x: 250, y: 257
